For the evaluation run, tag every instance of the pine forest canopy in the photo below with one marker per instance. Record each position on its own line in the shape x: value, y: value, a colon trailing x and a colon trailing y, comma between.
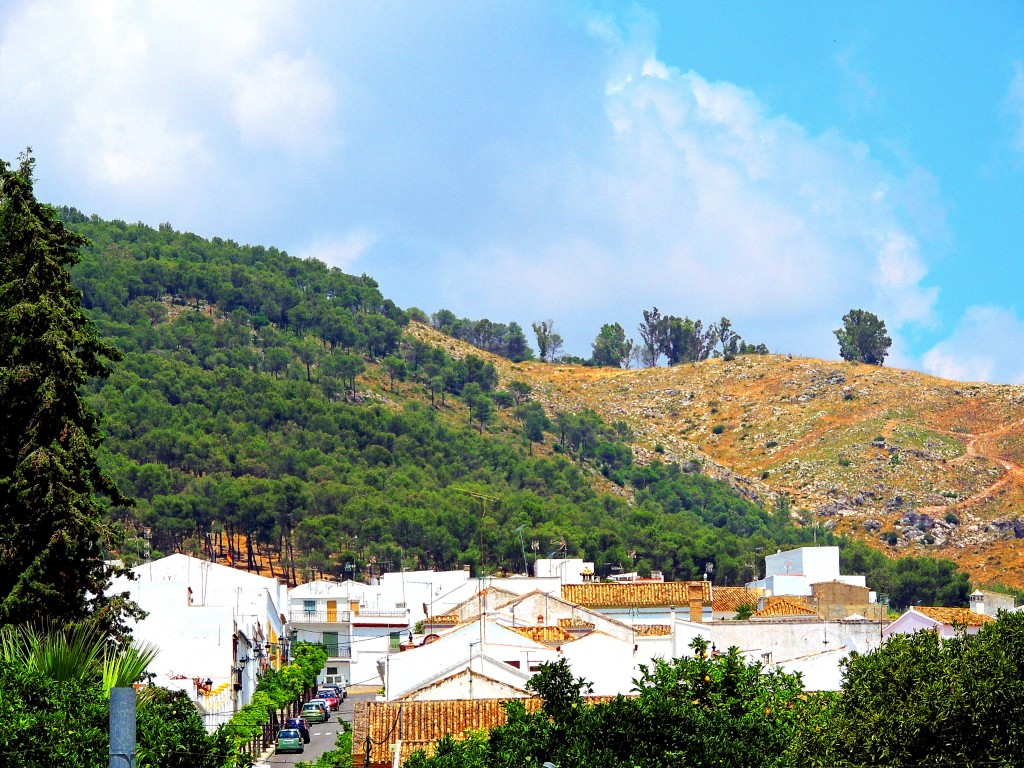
x: 278, y: 398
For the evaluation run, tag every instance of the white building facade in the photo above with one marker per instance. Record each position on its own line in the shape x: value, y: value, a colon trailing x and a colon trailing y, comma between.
x: 217, y: 629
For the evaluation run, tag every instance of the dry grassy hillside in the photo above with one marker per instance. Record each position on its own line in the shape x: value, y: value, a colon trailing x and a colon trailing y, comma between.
x: 900, y: 459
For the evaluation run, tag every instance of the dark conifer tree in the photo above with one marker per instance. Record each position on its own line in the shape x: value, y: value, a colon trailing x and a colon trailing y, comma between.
x: 52, y: 535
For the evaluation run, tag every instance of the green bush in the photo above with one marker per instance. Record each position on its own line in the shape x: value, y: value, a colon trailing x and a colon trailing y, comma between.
x: 718, y: 429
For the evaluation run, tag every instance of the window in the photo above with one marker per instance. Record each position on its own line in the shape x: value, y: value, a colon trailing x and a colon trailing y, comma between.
x: 309, y: 606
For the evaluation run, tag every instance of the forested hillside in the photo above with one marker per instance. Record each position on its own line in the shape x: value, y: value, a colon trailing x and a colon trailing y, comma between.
x: 279, y: 402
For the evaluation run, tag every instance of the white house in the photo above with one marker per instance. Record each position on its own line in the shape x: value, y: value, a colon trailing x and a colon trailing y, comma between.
x: 487, y: 648
x: 216, y: 627
x: 794, y: 571
x: 991, y: 603
x: 358, y: 623
x: 945, y: 621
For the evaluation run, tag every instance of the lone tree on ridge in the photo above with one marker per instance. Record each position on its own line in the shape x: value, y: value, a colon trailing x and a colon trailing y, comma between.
x: 862, y: 338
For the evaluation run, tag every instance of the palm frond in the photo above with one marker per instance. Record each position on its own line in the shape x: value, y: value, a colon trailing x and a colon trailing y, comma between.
x: 124, y: 666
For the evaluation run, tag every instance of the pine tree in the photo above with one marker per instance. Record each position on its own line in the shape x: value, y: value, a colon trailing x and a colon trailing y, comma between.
x: 53, y: 535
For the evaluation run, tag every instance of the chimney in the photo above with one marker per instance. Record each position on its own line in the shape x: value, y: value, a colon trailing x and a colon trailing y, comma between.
x: 696, y: 610
x: 977, y: 602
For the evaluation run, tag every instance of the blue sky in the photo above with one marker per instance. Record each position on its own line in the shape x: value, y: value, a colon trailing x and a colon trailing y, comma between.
x: 778, y: 163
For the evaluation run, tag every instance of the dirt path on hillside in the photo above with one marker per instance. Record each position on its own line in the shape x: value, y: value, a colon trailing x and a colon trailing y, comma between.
x: 983, y: 446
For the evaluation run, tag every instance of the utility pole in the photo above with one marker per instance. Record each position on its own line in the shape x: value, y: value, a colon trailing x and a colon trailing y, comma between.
x: 122, y: 728
x: 522, y: 546
x: 482, y: 497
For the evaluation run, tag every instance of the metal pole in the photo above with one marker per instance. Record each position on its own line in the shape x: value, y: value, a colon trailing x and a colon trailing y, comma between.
x: 122, y: 728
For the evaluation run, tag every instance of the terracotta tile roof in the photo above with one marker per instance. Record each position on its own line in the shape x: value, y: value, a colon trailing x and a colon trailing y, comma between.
x: 545, y: 634
x: 785, y: 606
x: 574, y: 622
x: 647, y: 595
x: 952, y: 616
x: 419, y: 724
x: 423, y: 722
x: 651, y: 630
x: 729, y: 599
x: 446, y: 618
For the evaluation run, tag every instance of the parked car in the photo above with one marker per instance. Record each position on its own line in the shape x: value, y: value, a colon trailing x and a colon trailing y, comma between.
x: 315, y: 712
x: 300, y: 724
x: 290, y: 740
x: 337, y: 689
x: 332, y: 699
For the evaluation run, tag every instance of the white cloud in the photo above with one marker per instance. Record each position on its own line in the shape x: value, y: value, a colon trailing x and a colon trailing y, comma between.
x: 702, y: 203
x: 985, y: 346
x: 340, y: 251
x: 144, y: 98
x: 285, y: 101
x: 584, y: 182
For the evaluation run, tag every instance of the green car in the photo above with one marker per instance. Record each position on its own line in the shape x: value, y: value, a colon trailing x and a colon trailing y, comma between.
x: 290, y: 740
x: 314, y: 713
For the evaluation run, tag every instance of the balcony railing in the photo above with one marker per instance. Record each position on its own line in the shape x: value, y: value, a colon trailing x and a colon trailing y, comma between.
x: 320, y: 617
x: 338, y: 650
x: 393, y: 613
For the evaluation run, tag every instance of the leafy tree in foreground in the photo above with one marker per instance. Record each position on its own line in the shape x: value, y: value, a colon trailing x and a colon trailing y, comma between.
x: 700, y: 710
x: 921, y: 700
x: 54, y: 683
x: 862, y: 338
x: 53, y: 538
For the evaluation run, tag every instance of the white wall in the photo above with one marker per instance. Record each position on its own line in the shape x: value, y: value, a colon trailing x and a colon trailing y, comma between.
x: 567, y: 571
x: 788, y: 639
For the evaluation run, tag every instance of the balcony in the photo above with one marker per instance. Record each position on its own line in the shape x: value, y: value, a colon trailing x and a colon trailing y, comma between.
x: 338, y: 650
x: 319, y: 617
x: 392, y: 613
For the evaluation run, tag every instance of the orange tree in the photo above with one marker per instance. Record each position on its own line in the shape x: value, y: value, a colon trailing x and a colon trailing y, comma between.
x: 924, y: 701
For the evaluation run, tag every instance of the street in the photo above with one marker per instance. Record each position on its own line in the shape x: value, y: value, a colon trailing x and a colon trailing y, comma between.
x: 322, y: 736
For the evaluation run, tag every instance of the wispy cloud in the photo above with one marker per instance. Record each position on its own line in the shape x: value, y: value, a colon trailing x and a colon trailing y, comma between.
x: 341, y: 251
x: 585, y: 181
x: 985, y: 346
x: 159, y: 97
x: 703, y: 203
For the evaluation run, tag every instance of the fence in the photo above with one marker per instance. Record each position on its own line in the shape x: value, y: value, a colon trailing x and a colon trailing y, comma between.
x: 268, y: 731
